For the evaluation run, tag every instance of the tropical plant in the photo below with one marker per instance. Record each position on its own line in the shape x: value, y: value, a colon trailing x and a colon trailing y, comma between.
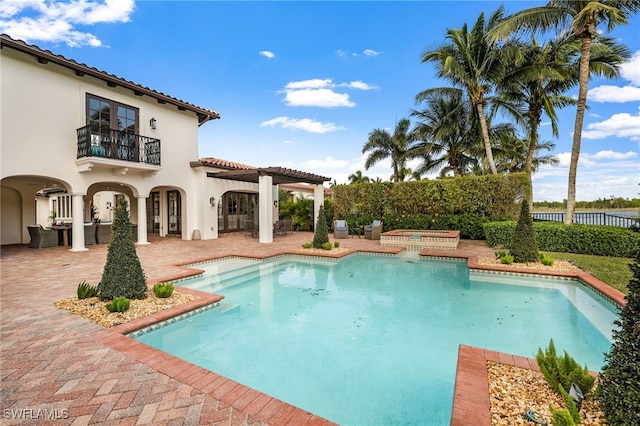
x: 382, y: 145
x: 534, y: 84
x: 321, y: 232
x: 86, y: 290
x: 358, y: 177
x: 118, y: 304
x: 163, y: 290
x: 619, y: 389
x: 581, y: 19
x: 472, y: 64
x: 444, y: 131
x: 122, y: 274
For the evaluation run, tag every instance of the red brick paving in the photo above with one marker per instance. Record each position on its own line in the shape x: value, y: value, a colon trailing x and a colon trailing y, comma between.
x: 72, y: 368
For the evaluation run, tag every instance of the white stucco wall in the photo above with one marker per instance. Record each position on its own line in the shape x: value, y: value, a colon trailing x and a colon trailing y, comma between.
x: 44, y: 104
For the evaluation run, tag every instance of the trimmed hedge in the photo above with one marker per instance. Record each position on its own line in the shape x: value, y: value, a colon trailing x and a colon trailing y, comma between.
x: 582, y: 239
x: 483, y: 196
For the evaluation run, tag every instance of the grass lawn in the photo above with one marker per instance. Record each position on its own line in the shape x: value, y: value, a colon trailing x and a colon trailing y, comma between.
x: 612, y: 270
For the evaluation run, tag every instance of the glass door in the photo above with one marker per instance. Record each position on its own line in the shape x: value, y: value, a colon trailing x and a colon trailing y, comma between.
x: 153, y: 213
x: 174, y: 210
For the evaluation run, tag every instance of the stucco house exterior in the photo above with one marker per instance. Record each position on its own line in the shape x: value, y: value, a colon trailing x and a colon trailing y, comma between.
x: 74, y: 139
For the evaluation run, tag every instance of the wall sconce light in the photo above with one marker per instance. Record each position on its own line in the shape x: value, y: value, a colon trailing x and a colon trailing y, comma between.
x: 152, y: 123
x: 212, y: 200
x: 275, y: 203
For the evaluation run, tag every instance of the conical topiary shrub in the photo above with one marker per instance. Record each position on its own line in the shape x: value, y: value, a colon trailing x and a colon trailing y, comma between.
x: 619, y: 389
x: 123, y: 275
x: 523, y: 246
x: 321, y: 234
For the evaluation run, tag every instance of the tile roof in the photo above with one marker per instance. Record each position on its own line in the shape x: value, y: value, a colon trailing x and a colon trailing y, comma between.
x: 45, y: 56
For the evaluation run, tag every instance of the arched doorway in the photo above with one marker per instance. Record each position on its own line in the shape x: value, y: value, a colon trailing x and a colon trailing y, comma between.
x: 234, y: 208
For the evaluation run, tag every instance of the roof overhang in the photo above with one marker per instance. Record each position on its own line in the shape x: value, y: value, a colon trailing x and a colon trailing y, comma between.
x: 279, y: 175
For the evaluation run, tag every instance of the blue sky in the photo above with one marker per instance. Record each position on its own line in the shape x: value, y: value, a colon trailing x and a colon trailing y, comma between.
x: 302, y: 84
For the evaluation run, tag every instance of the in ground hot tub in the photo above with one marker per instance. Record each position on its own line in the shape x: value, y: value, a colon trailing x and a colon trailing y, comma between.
x: 418, y: 239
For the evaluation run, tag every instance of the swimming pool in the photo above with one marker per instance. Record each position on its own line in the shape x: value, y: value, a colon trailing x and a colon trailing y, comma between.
x: 373, y: 339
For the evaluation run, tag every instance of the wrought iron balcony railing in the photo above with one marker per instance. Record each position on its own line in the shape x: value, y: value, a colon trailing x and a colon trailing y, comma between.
x: 118, y: 145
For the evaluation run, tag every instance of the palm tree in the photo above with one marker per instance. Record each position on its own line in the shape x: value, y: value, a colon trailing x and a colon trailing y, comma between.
x: 513, y: 155
x: 469, y: 62
x: 357, y: 177
x: 534, y: 85
x: 445, y: 129
x: 381, y: 145
x: 582, y: 18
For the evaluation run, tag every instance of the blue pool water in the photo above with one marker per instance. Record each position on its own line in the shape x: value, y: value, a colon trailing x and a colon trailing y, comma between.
x: 373, y: 340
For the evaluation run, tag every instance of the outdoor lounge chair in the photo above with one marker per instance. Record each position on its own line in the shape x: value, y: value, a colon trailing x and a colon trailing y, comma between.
x: 41, y: 237
x: 340, y: 229
x: 279, y: 229
x: 250, y: 229
x: 372, y: 232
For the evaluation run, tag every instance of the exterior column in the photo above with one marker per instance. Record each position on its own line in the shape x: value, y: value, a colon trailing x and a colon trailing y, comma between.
x: 265, y: 204
x: 77, y: 226
x: 142, y: 221
x: 318, y: 200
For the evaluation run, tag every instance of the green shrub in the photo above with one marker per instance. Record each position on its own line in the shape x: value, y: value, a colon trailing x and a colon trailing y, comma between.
x: 122, y: 274
x: 561, y: 417
x: 163, y: 290
x: 336, y: 244
x: 619, y: 389
x: 546, y: 260
x: 558, y: 237
x: 570, y: 406
x: 86, y: 290
x: 507, y: 259
x: 327, y: 246
x: 118, y: 304
x: 563, y: 370
x: 321, y: 233
x: 306, y: 245
x: 500, y: 253
x: 523, y: 246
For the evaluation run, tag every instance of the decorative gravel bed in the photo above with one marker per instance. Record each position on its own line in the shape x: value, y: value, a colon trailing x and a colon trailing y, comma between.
x: 95, y: 310
x: 558, y: 265
x: 514, y: 390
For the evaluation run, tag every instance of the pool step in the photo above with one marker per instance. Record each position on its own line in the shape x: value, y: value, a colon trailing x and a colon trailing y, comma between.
x: 227, y: 306
x: 230, y: 278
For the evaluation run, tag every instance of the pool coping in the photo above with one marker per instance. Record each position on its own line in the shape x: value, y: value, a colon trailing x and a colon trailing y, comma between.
x: 471, y: 404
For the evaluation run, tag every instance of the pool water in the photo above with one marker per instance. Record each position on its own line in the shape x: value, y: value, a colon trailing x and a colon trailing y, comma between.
x: 373, y: 340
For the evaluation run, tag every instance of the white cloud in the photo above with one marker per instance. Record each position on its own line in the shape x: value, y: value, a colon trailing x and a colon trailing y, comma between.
x: 316, y: 83
x: 606, y: 93
x: 328, y: 163
x: 631, y: 69
x: 623, y: 125
x: 360, y: 85
x: 267, y: 54
x: 319, y: 92
x: 325, y: 98
x: 612, y: 155
x: 305, y: 124
x: 371, y: 52
x: 40, y: 20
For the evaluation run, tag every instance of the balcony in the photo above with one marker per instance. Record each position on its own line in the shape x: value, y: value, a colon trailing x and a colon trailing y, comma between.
x: 120, y: 151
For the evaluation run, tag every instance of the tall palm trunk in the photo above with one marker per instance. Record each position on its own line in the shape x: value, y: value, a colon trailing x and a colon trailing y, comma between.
x: 535, y: 118
x: 577, y: 131
x: 485, y: 138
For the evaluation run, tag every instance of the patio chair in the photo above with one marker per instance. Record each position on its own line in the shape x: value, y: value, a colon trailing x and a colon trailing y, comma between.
x: 103, y: 233
x: 41, y: 237
x: 372, y: 232
x: 279, y: 229
x: 340, y: 229
x: 250, y: 229
x: 89, y: 234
